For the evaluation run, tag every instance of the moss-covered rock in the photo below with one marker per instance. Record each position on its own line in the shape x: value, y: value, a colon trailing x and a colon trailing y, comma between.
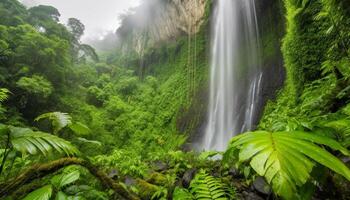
x: 145, y: 189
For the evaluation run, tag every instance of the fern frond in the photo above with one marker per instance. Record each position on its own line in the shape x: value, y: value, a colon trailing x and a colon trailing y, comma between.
x: 205, y: 186
x: 182, y: 194
x: 342, y: 128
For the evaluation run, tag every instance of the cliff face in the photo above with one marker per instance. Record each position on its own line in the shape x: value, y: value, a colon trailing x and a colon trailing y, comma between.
x: 271, y: 22
x: 158, y: 21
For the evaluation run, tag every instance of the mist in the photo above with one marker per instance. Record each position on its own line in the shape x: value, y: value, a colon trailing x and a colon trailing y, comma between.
x: 100, y: 17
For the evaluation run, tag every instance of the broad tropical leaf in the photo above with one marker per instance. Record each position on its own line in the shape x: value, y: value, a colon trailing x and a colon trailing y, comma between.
x: 79, y: 128
x: 286, y: 159
x: 58, y: 120
x: 61, y: 180
x: 43, y: 193
x: 61, y: 196
x: 26, y: 140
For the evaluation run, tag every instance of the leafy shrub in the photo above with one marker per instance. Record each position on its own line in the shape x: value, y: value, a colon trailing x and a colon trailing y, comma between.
x: 205, y: 186
x: 36, y: 85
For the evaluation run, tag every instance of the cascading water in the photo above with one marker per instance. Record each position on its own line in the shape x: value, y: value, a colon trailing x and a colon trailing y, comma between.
x: 235, y: 74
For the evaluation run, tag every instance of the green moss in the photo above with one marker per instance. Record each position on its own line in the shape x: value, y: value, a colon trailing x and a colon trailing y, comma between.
x: 312, y: 41
x: 145, y: 189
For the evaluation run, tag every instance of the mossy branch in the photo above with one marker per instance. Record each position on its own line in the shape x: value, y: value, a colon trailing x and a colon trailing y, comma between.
x: 40, y: 170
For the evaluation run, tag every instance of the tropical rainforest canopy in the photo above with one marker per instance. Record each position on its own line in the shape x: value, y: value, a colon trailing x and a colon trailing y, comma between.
x: 124, y: 117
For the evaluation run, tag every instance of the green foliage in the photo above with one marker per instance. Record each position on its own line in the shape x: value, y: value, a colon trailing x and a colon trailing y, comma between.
x: 43, y: 193
x: 286, y: 159
x: 80, y: 129
x: 44, y: 13
x: 4, y: 93
x: 182, y: 194
x: 26, y: 140
x: 127, y: 162
x: 342, y: 130
x: 58, y: 120
x: 57, y: 185
x: 205, y: 186
x: 36, y: 85
x: 61, y: 180
x: 76, y: 27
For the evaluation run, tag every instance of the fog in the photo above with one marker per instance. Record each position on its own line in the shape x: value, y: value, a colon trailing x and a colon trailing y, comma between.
x: 100, y: 17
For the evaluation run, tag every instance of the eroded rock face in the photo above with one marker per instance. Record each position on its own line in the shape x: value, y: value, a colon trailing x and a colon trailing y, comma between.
x: 160, y: 20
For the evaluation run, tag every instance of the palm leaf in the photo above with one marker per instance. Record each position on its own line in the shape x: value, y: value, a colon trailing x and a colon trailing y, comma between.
x: 43, y: 193
x: 58, y: 120
x: 286, y: 159
x: 26, y: 140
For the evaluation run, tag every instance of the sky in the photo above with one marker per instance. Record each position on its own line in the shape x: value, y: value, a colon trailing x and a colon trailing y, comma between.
x: 99, y: 16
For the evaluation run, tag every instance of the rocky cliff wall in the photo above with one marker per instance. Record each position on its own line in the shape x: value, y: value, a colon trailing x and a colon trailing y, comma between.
x: 158, y: 21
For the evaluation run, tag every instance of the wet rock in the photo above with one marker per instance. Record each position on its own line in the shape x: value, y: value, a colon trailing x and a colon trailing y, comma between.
x: 261, y: 186
x: 249, y: 196
x: 159, y: 166
x: 114, y: 174
x: 346, y: 159
x: 235, y: 173
x: 129, y: 181
x: 187, y: 177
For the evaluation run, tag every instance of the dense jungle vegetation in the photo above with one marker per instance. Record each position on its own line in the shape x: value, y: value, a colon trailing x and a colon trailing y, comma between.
x: 80, y: 124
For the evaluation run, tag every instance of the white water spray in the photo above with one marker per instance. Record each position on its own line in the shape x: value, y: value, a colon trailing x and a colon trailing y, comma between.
x: 235, y: 74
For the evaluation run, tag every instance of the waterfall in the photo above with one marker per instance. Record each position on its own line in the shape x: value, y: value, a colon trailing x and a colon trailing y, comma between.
x: 235, y: 74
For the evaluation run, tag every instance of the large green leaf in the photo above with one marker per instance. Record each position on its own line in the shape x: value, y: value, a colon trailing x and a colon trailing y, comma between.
x: 43, y: 193
x: 61, y: 196
x: 59, y: 120
x: 59, y: 181
x: 80, y: 128
x: 26, y: 140
x: 286, y: 159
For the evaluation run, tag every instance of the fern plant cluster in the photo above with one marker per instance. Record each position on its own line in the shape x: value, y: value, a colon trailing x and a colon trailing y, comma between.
x: 205, y: 187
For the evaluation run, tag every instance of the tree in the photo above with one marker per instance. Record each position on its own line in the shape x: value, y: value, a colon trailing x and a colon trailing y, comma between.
x: 44, y: 13
x: 76, y: 27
